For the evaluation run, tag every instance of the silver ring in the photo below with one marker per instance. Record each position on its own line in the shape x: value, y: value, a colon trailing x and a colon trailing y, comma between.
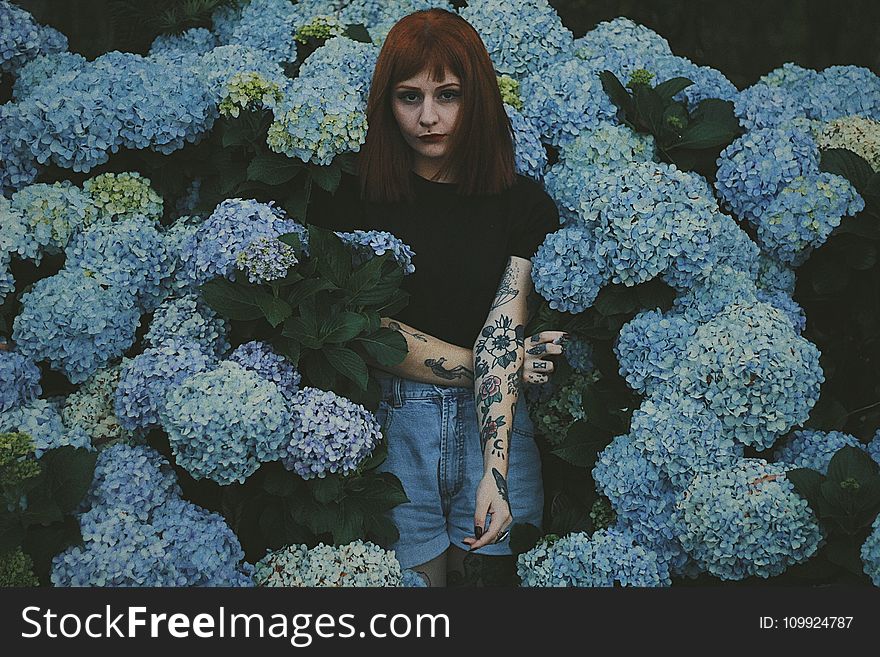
x: 502, y: 536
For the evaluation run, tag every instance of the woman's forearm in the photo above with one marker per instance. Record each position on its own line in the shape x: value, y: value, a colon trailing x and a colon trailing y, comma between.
x: 430, y: 360
x: 498, y: 360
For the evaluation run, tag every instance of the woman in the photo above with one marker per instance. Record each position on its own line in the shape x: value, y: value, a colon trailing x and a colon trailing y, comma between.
x: 437, y: 171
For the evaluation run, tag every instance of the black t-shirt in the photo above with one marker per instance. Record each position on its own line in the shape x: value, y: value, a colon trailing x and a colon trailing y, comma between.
x: 461, y: 245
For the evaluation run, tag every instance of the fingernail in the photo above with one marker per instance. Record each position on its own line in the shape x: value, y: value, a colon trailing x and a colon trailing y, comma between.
x: 478, y: 531
x: 540, y: 349
x: 536, y: 338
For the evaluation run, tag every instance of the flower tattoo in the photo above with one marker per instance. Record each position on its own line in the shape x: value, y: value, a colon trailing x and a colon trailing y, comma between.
x: 501, y: 342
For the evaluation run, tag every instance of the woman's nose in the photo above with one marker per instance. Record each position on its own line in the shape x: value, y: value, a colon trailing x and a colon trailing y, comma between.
x: 429, y: 114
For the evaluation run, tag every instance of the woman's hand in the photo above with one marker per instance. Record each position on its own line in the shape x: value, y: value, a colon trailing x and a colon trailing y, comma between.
x: 537, y: 367
x: 492, y: 499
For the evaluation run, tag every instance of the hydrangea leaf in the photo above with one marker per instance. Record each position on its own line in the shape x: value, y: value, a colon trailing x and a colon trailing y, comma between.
x: 230, y: 300
x: 349, y: 364
x: 274, y: 309
x: 851, y: 166
x: 666, y: 90
x: 326, y: 489
x: 327, y: 177
x: 387, y: 346
x: 713, y: 123
x: 342, y: 327
x: 70, y: 472
x: 273, y: 169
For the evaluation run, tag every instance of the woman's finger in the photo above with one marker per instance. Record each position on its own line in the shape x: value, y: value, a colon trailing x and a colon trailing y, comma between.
x: 542, y: 366
x: 543, y: 336
x: 496, y: 527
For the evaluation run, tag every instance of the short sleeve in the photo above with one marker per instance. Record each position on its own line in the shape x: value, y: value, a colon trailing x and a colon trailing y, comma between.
x: 536, y: 216
x: 340, y: 211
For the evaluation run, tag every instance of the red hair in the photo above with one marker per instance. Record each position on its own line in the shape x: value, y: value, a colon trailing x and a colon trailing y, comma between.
x: 481, y: 152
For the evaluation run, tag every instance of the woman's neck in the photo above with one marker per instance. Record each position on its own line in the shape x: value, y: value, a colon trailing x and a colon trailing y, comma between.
x: 428, y: 171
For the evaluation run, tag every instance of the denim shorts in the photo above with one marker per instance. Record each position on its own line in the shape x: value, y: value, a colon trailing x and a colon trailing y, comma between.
x: 434, y: 449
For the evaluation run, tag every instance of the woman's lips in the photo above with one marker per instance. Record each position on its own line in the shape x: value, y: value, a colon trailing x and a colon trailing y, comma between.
x: 431, y: 139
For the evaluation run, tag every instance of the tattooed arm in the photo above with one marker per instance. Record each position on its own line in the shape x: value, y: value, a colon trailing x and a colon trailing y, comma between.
x: 432, y: 360
x: 499, y: 353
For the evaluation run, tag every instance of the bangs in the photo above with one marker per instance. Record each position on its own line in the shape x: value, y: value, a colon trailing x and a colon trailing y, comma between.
x: 427, y: 55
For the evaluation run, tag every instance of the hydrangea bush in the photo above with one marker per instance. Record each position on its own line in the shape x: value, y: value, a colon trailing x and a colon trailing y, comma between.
x: 721, y: 371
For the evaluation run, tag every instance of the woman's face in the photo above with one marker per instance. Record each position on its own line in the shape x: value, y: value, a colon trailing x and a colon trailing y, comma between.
x: 424, y: 107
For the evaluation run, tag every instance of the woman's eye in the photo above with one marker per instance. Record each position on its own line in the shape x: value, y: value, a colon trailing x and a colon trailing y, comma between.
x: 449, y: 95
x: 408, y: 97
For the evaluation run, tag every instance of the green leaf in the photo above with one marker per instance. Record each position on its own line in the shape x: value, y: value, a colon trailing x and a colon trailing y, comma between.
x: 297, y: 329
x: 616, y: 300
x: 351, y: 523
x: 851, y: 462
x: 326, y: 518
x: 326, y: 489
x: 713, y: 123
x: 232, y: 300
x: 296, y: 204
x: 274, y: 309
x: 365, y: 277
x: 377, y: 458
x: 273, y: 169
x: 237, y: 132
x: 357, y: 32
x: 380, y: 529
x: 326, y: 177
x: 11, y: 532
x: 378, y: 491
x: 830, y: 276
x: 616, y: 91
x: 581, y: 445
x: 41, y: 509
x: 648, y: 108
x: 306, y: 288
x: 845, y: 163
x: 332, y: 256
x: 807, y: 482
x: 857, y: 253
x: 280, y: 482
x: 387, y: 346
x: 385, y: 289
x: 70, y: 472
x: 666, y: 90
x: 289, y: 348
x: 342, y: 327
x: 844, y: 551
x: 349, y: 364
x: 523, y: 537
x: 292, y: 239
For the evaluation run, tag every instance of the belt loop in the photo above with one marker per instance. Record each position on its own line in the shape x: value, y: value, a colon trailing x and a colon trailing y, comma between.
x: 397, y: 392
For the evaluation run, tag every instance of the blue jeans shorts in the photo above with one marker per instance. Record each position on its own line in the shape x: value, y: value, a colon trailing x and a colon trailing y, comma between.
x: 434, y: 449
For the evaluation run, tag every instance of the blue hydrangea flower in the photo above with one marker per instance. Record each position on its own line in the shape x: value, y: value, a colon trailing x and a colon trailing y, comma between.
x: 180, y: 545
x: 610, y: 557
x: 579, y: 354
x: 356, y: 564
x: 16, y: 237
x: 753, y: 371
x: 132, y: 478
x: 220, y: 66
x: 19, y: 380
x: 223, y: 423
x: 707, y: 82
x: 649, y: 347
x: 773, y: 276
x: 746, y: 520
x: 757, y: 166
x: 76, y: 323
x: 764, y: 106
x: 7, y: 280
x: 870, y: 553
x: 147, y: 379
x: 565, y: 99
x: 807, y: 448
x: 650, y: 217
x: 38, y: 70
x: 328, y: 434
x: 522, y: 36
x: 262, y: 359
x: 214, y: 247
x: 121, y: 196
x: 786, y: 304
x: 18, y: 165
x: 91, y: 408
x: 568, y: 270
x: 319, y: 118
x: 804, y: 214
x: 621, y: 46
x: 188, y: 319
x: 22, y: 39
x: 128, y: 255
x: 874, y: 447
x: 268, y: 26
x: 176, y: 237
x: 608, y: 147
x: 223, y: 22
x: 843, y: 91
x: 175, y: 47
x: 643, y: 498
x: 721, y: 287
x: 118, y: 100
x: 682, y: 437
x: 41, y: 420
x: 52, y: 214
x: 370, y: 243
x: 530, y: 156
x: 353, y: 59
x: 266, y: 259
